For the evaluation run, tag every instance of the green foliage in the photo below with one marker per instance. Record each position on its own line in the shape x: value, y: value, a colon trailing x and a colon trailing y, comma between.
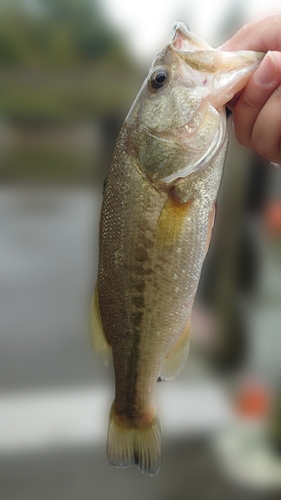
x: 56, y: 33
x: 59, y: 59
x: 61, y: 64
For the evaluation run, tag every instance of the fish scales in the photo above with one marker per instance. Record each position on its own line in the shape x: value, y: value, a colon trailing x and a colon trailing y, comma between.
x: 156, y: 222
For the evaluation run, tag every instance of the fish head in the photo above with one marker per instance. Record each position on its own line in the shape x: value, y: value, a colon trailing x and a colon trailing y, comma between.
x: 178, y: 118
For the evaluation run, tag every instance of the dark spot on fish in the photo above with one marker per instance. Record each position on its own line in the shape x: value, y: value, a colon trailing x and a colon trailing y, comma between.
x: 138, y: 269
x: 141, y: 254
x: 149, y: 243
x: 137, y: 318
x: 148, y: 271
x: 138, y: 284
x: 125, y: 412
x: 138, y: 301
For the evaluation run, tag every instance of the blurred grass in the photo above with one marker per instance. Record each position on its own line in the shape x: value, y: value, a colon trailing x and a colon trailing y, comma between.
x: 64, y: 95
x: 54, y: 165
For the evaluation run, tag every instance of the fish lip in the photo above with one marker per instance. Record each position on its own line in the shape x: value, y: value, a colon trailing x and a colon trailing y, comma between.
x: 204, y: 58
x: 213, y: 61
x: 183, y: 39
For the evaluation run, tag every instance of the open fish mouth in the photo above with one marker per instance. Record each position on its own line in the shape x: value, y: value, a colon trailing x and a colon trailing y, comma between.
x: 226, y: 72
x: 203, y: 57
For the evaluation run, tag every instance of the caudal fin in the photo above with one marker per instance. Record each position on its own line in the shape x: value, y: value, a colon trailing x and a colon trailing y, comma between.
x: 129, y: 444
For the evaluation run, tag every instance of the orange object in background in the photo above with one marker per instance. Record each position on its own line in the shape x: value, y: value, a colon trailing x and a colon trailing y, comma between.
x: 272, y: 217
x: 253, y: 401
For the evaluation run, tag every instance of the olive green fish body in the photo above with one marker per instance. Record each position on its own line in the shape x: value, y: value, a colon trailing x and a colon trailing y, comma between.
x: 156, y: 222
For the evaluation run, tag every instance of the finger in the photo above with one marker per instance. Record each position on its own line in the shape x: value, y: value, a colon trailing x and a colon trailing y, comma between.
x: 231, y: 104
x: 259, y: 35
x: 254, y: 97
x: 266, y: 140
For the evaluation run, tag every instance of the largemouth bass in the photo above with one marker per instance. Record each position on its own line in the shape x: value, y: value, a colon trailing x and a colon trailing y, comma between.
x: 155, y: 228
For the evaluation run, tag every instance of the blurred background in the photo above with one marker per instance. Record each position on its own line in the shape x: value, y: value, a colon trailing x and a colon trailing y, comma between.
x: 69, y: 71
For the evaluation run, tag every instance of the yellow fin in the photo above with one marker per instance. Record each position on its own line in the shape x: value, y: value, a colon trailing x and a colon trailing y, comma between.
x: 176, y: 360
x: 171, y: 221
x: 99, y: 342
x: 129, y: 444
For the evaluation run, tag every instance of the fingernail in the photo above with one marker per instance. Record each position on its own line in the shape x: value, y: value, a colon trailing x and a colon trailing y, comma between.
x: 267, y: 71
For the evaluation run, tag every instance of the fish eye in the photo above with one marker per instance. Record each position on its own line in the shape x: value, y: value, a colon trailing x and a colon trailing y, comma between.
x: 159, y: 78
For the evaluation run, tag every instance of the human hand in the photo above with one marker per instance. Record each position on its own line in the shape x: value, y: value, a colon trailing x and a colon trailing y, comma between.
x: 257, y: 108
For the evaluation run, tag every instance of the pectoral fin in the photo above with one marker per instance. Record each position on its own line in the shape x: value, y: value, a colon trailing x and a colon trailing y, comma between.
x: 176, y: 360
x: 99, y: 342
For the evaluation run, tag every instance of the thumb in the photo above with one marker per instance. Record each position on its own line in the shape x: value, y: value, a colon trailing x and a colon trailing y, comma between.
x: 259, y: 101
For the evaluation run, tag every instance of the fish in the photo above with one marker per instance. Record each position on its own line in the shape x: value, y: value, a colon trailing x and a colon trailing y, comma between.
x: 155, y: 228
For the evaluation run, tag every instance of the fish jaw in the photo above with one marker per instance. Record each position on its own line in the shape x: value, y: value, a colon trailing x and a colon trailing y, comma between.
x: 185, y: 41
x: 226, y: 73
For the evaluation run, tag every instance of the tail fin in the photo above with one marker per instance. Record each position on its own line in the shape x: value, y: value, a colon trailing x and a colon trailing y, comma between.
x: 129, y: 444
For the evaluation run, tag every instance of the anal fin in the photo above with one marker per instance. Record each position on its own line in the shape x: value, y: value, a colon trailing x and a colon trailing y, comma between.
x: 176, y: 359
x: 99, y: 342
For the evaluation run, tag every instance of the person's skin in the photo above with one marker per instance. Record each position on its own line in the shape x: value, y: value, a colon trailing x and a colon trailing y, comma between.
x: 257, y: 109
